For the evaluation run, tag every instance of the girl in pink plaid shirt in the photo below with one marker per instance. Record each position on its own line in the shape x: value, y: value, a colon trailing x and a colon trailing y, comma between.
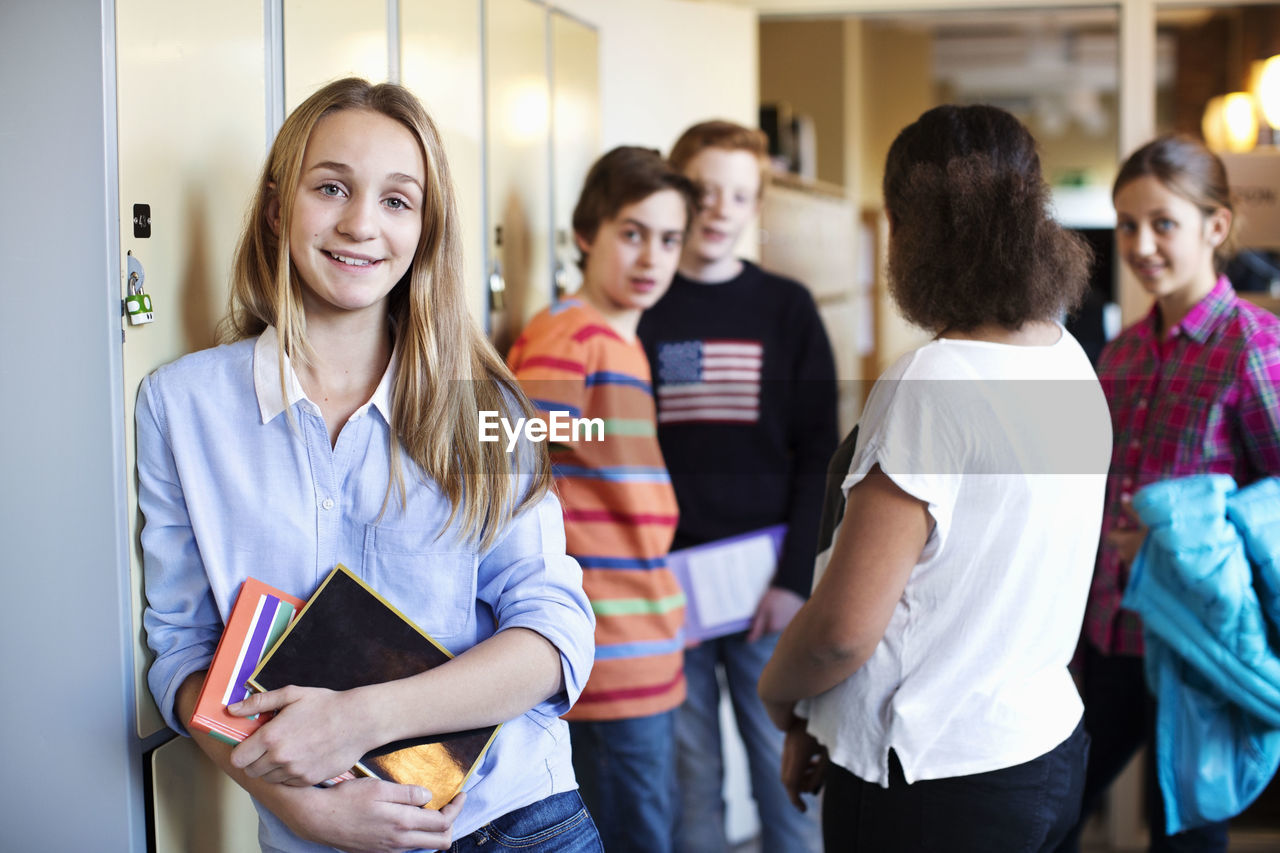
x: 1194, y: 388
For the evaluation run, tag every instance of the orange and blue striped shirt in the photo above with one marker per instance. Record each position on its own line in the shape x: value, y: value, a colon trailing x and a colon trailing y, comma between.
x: 619, y: 507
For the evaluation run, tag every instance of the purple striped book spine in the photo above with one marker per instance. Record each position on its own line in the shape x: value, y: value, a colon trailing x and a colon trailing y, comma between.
x: 269, y: 619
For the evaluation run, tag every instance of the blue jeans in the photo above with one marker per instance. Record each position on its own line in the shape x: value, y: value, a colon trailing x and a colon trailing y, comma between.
x: 558, y: 824
x: 625, y: 771
x: 700, y: 767
x: 1027, y: 808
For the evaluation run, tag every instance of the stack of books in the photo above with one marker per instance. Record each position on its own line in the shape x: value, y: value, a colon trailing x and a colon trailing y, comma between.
x: 345, y: 636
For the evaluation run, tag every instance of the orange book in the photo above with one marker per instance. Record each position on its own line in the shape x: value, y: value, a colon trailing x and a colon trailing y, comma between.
x: 258, y: 619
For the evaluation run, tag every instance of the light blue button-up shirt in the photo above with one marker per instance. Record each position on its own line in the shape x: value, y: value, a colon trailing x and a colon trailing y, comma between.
x: 232, y: 487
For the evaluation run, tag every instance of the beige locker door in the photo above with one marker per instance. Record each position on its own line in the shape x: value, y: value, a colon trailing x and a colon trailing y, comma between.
x: 518, y: 149
x: 192, y: 115
x: 440, y: 63
x: 198, y: 809
x: 328, y: 39
x: 575, y: 133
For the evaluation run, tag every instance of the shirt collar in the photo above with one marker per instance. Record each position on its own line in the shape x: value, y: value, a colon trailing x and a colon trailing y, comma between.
x: 266, y: 382
x: 1203, y: 317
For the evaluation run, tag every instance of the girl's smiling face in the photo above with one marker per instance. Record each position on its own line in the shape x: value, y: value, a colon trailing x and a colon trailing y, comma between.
x: 358, y: 213
x: 1166, y: 240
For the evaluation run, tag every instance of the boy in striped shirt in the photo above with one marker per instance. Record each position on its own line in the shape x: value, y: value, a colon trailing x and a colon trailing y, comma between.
x: 581, y: 356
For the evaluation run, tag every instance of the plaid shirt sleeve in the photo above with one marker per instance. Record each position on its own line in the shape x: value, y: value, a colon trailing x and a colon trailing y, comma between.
x: 1260, y: 404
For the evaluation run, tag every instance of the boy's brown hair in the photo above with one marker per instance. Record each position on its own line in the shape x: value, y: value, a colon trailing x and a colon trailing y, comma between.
x: 624, y: 176
x: 725, y: 135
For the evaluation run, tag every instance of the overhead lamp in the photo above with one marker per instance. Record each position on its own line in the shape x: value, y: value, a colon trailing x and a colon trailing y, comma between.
x: 1230, y: 122
x: 1267, y: 90
x: 1240, y: 117
x: 1213, y: 126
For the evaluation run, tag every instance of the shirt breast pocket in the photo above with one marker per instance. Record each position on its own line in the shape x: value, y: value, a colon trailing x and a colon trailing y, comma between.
x: 1203, y: 423
x: 435, y: 589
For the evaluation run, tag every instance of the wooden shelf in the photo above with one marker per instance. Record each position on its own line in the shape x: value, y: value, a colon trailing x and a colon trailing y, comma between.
x: 1262, y: 300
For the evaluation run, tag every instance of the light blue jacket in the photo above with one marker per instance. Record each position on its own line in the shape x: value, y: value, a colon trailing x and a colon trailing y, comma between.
x: 1206, y: 584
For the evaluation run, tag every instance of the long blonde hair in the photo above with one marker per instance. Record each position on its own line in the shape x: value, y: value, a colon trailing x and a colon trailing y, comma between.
x: 447, y: 372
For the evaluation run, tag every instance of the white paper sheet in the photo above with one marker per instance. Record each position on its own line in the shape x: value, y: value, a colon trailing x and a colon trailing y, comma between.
x: 729, y: 580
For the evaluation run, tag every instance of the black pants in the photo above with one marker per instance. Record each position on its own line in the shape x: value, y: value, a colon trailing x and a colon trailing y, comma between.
x: 1120, y: 715
x: 1028, y: 807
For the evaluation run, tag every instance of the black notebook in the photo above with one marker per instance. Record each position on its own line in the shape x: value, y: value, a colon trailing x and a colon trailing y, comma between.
x: 349, y: 636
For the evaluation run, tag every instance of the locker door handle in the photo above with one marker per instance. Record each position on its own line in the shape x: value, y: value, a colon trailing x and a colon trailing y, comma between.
x: 497, y: 288
x: 497, y: 284
x: 561, y: 279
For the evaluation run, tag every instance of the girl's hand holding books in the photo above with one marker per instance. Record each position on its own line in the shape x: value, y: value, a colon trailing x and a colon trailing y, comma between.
x: 316, y: 734
x: 373, y: 816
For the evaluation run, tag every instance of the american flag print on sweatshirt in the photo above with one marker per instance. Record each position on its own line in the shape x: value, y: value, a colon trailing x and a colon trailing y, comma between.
x: 619, y: 506
x: 709, y: 381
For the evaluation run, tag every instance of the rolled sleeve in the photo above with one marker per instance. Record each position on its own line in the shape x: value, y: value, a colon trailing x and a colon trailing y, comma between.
x: 181, y: 619
x: 530, y: 582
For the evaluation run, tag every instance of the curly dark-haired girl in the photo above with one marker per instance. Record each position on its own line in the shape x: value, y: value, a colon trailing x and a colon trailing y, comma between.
x: 925, y: 682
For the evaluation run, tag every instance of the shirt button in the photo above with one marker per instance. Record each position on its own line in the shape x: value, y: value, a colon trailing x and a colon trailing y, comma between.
x: 327, y: 503
x: 1142, y: 404
x: 1135, y: 444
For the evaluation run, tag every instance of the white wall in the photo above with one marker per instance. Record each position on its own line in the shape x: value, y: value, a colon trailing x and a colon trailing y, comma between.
x: 665, y: 64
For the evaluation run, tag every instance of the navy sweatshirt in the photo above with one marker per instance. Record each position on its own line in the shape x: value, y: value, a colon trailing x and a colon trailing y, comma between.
x: 745, y: 386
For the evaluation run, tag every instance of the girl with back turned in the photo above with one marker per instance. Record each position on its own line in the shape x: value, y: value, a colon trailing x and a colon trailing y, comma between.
x: 925, y: 682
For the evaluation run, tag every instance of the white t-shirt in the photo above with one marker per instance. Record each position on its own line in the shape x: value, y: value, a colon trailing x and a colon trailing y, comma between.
x: 1009, y: 447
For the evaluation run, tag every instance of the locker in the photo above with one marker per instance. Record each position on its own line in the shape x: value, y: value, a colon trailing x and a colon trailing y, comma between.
x: 440, y: 63
x: 197, y: 808
x: 171, y: 106
x: 518, y: 151
x: 328, y: 39
x: 200, y: 97
x: 575, y: 134
x: 191, y: 90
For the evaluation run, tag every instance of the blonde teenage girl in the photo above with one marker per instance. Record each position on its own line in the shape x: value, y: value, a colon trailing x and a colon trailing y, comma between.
x: 340, y: 426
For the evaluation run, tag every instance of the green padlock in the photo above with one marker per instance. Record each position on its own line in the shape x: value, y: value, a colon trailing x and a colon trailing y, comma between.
x: 138, y: 307
x: 138, y: 303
